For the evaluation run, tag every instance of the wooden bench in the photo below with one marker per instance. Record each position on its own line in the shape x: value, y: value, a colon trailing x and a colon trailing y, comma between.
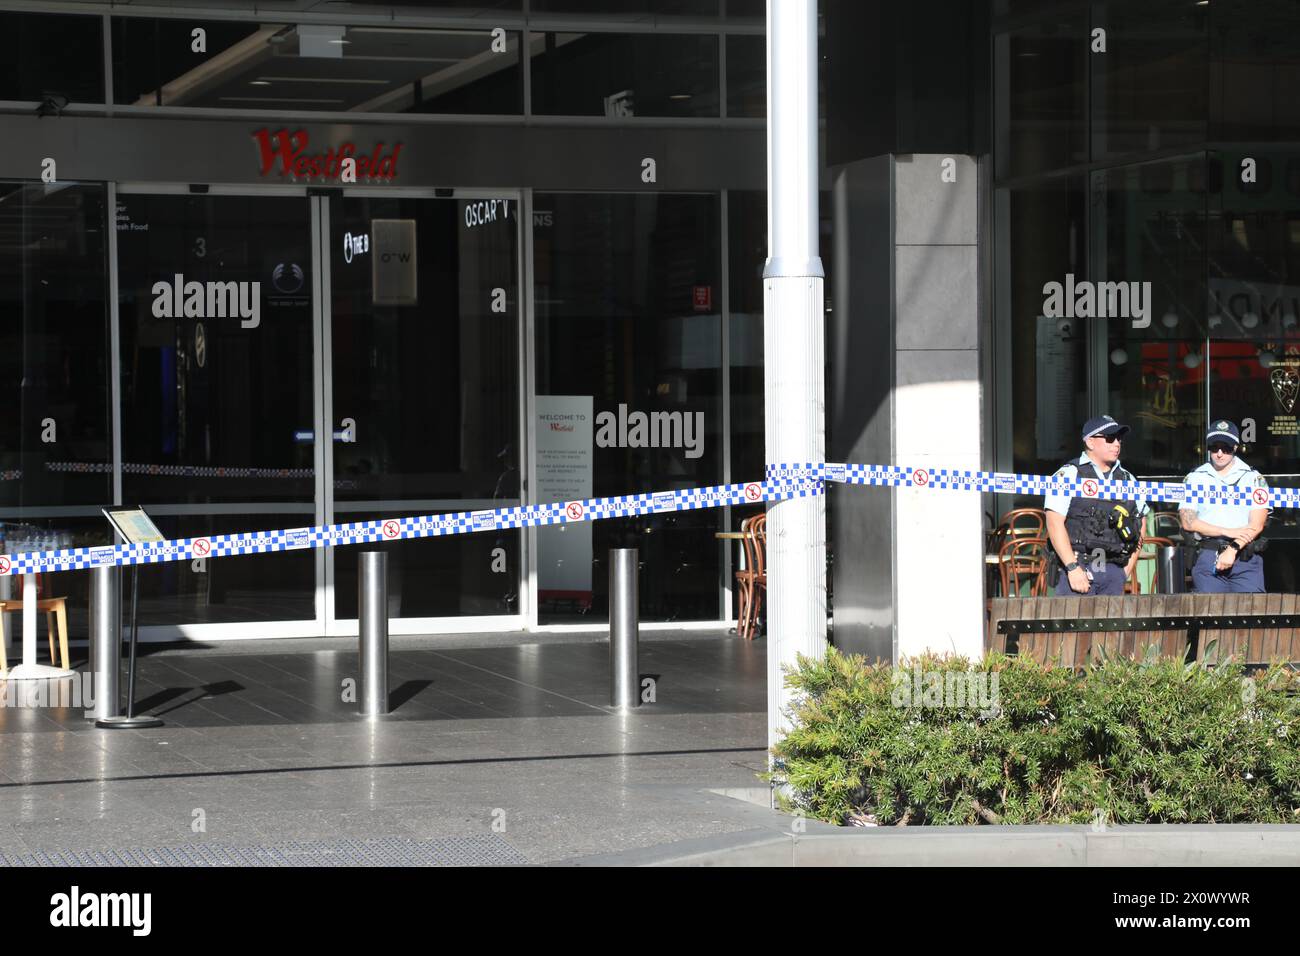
x: 1255, y: 629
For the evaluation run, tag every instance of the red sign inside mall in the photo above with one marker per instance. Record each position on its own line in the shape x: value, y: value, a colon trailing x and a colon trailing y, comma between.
x: 291, y: 152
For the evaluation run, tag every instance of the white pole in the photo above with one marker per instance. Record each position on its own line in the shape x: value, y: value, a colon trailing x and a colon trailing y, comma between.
x: 793, y: 337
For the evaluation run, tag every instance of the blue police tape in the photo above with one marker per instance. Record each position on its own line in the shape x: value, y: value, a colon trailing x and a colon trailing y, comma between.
x: 960, y: 479
x: 800, y: 480
x: 400, y: 529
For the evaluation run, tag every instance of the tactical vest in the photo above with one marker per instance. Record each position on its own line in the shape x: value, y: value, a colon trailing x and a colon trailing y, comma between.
x: 1089, y: 520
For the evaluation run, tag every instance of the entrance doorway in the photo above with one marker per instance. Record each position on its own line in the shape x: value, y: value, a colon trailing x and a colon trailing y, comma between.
x: 291, y: 360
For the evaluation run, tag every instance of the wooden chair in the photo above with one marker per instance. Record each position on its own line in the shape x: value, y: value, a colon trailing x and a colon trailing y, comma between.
x: 744, y: 579
x: 1023, y: 561
x: 56, y: 614
x: 755, y: 585
x: 1134, y: 586
x: 1017, y: 523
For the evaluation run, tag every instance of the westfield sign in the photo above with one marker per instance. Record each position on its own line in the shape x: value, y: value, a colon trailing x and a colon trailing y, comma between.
x: 291, y: 152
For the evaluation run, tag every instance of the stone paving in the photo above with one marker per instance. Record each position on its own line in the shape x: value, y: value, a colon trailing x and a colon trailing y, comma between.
x: 506, y: 740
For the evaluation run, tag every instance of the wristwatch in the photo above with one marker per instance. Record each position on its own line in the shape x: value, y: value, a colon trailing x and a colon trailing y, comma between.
x: 1072, y: 566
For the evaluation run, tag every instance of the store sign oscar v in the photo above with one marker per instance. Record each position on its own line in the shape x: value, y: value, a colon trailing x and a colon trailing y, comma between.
x: 292, y: 154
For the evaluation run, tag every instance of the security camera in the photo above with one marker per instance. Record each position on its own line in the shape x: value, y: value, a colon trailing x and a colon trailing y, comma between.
x: 52, y: 104
x: 1065, y: 326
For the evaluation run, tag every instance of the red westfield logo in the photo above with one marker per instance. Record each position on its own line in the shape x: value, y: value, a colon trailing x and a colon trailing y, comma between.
x: 290, y: 150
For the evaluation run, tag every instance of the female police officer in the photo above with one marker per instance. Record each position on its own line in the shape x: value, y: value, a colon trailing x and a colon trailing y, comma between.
x: 1227, y: 534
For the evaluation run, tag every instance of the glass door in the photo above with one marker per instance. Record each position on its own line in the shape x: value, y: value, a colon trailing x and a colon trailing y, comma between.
x: 423, y: 398
x: 219, y: 379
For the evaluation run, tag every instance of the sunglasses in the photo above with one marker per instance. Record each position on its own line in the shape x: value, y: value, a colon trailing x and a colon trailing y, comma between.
x: 1109, y: 439
x: 1226, y: 449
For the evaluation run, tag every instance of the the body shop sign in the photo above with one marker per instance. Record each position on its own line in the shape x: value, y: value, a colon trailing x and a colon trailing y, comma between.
x: 292, y: 155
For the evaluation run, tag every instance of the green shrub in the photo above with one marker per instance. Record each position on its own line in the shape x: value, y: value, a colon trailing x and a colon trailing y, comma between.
x: 1156, y: 741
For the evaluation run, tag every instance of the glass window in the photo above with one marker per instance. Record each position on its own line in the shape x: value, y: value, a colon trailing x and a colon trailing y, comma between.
x: 629, y: 393
x: 747, y: 247
x: 49, y: 53
x: 608, y: 74
x: 363, y: 69
x: 1150, y: 86
x: 55, y: 443
x: 426, y: 374
x: 215, y: 303
x: 1254, y: 71
x: 1044, y: 240
x: 1149, y: 226
x: 1040, y: 91
x: 747, y: 77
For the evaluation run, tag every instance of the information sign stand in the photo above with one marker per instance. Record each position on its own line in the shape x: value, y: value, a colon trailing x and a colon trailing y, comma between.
x: 134, y: 527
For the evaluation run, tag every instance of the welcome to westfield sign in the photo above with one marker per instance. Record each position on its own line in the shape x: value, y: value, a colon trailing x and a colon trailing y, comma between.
x: 291, y: 152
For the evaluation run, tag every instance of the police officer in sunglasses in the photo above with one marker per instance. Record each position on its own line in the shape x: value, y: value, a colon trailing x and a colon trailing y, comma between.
x: 1094, y: 541
x: 1229, y: 535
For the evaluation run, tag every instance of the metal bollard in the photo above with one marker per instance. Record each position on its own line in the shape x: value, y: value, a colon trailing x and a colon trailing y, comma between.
x: 1171, y: 577
x: 105, y: 641
x: 372, y: 620
x: 625, y: 688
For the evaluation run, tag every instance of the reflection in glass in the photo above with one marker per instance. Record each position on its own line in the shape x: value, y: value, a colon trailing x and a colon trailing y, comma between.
x: 1254, y: 71
x: 217, y: 371
x: 618, y: 75
x: 217, y: 357
x: 627, y: 292
x: 55, y: 445
x: 425, y: 371
x: 1040, y: 82
x: 1043, y: 240
x: 747, y: 77
x: 1149, y: 88
x: 1151, y: 228
x: 238, y: 589
x: 44, y: 53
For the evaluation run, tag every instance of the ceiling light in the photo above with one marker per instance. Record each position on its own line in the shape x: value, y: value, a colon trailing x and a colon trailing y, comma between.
x: 278, y: 99
x: 260, y: 83
x: 325, y: 79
